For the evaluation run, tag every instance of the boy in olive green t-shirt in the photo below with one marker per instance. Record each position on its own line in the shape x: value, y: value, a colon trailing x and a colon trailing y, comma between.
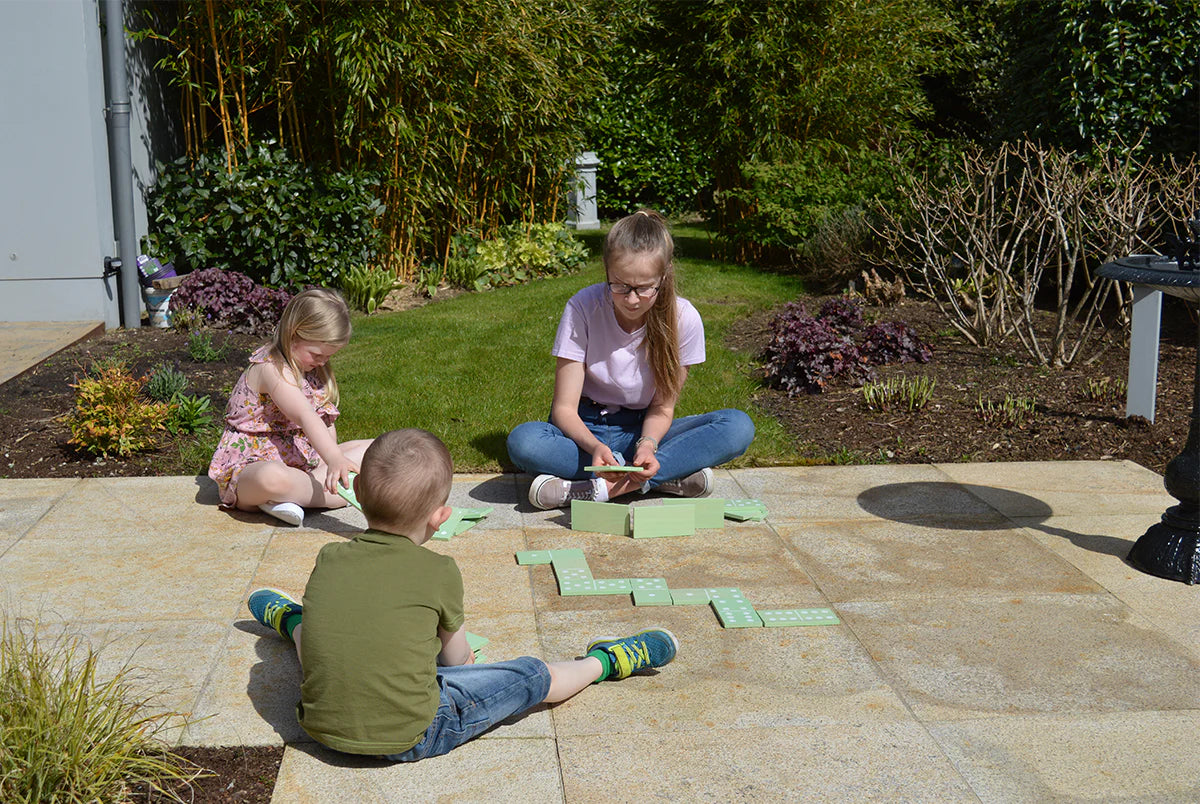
x: 387, y: 670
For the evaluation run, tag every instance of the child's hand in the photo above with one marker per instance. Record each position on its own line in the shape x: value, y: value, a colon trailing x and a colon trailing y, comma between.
x: 338, y: 472
x: 645, y: 459
x: 603, y: 456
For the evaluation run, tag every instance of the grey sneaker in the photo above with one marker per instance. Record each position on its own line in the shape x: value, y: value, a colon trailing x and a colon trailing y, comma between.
x: 697, y: 484
x: 548, y: 491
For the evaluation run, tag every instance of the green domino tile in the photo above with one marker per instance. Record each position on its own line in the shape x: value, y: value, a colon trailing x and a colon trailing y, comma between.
x: 474, y: 514
x: 648, y: 583
x: 656, y: 521
x: 533, y: 557
x: 443, y: 533
x: 728, y: 593
x: 464, y: 526
x: 743, y: 510
x: 570, y: 557
x: 573, y: 573
x: 612, y: 586
x: 782, y: 618
x: 651, y: 597
x: 480, y: 658
x: 569, y: 587
x: 710, y: 511
x: 612, y: 468
x: 737, y: 616
x: 598, y: 517
x: 348, y: 493
x: 475, y: 641
x: 688, y: 597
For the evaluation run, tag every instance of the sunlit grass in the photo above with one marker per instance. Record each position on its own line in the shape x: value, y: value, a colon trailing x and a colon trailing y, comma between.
x: 473, y: 367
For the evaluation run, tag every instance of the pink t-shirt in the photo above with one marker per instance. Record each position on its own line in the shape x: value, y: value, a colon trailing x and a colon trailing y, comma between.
x: 615, y: 370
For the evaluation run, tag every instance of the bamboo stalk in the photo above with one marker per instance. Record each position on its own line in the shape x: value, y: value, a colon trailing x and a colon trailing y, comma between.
x: 222, y: 110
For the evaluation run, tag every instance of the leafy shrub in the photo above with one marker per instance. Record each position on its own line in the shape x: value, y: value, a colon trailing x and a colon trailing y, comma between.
x: 519, y: 254
x: 189, y: 414
x: 842, y: 313
x: 893, y: 342
x: 365, y: 287
x: 164, y: 382
x: 646, y: 158
x: 230, y: 300
x: 202, y: 349
x: 277, y: 221
x: 110, y: 418
x: 789, y: 202
x: 805, y: 354
x: 187, y: 319
x: 69, y: 736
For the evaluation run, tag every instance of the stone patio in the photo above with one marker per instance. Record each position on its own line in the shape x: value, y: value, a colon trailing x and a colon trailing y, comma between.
x: 993, y: 644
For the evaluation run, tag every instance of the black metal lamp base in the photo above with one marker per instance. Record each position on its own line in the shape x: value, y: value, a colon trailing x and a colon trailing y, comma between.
x: 1171, y: 548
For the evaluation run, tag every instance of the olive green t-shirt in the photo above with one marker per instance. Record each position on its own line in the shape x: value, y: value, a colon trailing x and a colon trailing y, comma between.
x: 370, y: 643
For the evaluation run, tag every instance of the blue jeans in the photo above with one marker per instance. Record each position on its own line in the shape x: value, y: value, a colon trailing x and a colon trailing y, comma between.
x: 692, y: 443
x: 476, y: 697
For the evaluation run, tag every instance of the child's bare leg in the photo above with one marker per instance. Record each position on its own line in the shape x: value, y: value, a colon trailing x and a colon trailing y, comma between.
x: 275, y: 482
x: 296, y: 638
x: 569, y: 678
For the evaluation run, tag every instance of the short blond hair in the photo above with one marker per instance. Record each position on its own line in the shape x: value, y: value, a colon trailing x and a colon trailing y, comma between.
x: 405, y: 477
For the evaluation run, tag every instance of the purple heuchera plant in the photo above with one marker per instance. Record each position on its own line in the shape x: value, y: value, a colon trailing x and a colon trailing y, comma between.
x: 231, y: 300
x: 806, y: 354
x: 843, y: 314
x: 894, y: 342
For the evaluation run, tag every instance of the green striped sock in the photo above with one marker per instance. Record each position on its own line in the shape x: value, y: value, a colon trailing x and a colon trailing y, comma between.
x: 605, y: 662
x: 289, y: 622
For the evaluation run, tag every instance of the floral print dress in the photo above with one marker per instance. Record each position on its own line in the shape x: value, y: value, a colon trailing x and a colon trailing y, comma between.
x: 257, y: 430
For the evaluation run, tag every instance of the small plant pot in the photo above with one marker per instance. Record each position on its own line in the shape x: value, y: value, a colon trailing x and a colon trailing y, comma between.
x: 157, y: 302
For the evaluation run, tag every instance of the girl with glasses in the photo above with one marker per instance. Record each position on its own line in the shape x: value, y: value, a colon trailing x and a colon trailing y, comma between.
x: 623, y: 350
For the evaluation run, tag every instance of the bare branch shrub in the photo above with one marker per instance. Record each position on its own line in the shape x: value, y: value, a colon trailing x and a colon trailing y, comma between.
x: 1008, y: 230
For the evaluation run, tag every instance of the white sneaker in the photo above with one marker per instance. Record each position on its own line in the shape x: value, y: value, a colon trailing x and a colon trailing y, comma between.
x: 287, y: 512
x: 548, y: 491
x: 697, y: 484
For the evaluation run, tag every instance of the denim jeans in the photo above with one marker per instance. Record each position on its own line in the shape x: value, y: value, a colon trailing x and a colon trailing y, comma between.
x: 692, y: 443
x: 476, y: 697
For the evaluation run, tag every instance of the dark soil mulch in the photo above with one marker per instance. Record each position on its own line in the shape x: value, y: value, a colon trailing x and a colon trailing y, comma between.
x: 837, y: 426
x: 233, y: 775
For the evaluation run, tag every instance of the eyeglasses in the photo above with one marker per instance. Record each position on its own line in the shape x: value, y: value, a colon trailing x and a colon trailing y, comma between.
x: 621, y: 289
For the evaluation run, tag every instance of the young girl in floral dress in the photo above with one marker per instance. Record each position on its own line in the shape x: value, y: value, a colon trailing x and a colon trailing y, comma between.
x: 279, y: 453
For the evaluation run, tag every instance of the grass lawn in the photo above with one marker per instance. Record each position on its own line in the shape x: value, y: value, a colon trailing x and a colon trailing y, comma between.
x: 473, y: 367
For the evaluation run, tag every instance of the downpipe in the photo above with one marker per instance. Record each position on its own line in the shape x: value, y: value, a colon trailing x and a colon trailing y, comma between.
x: 121, y: 164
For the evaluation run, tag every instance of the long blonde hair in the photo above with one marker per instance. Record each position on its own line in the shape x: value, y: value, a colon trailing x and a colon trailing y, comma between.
x: 318, y: 315
x: 646, y: 232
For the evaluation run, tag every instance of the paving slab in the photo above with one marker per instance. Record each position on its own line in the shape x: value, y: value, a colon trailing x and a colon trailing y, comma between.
x: 1097, y: 545
x: 993, y: 645
x: 904, y: 493
x: 738, y: 678
x: 966, y: 658
x: 24, y: 344
x: 881, y: 560
x: 842, y: 762
x: 485, y: 771
x: 1132, y: 756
